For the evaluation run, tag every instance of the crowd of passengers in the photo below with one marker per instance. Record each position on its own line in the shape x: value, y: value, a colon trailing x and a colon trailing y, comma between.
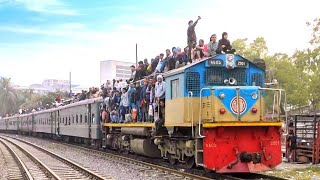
x: 142, y: 97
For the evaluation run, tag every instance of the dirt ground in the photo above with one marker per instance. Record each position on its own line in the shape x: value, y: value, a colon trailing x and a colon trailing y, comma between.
x: 294, y: 171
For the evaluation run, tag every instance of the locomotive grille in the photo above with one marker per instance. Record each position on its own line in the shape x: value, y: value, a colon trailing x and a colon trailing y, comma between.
x: 193, y: 82
x: 240, y: 75
x: 214, y: 76
x: 257, y: 79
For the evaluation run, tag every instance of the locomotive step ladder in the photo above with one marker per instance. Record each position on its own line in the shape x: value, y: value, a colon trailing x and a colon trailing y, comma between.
x: 198, y: 135
x: 199, y: 149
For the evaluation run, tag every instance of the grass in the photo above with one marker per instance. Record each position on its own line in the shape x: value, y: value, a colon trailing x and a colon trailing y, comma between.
x: 299, y: 174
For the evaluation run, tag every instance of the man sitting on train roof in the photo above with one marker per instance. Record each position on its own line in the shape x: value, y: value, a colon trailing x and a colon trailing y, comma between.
x: 224, y: 45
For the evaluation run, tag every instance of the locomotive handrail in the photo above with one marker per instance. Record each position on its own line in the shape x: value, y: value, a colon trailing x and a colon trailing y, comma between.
x: 278, y: 104
x: 190, y: 95
x: 200, y: 111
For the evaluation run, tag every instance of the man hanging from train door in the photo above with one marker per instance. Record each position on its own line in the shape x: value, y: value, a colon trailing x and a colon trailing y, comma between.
x: 192, y: 38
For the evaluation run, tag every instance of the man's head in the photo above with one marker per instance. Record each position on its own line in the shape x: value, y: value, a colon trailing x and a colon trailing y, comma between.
x: 161, y: 55
x: 161, y: 102
x: 224, y: 35
x: 213, y: 38
x: 159, y: 78
x: 185, y: 50
x: 174, y: 50
x: 168, y: 52
x: 145, y: 61
x: 178, y: 49
x: 140, y: 63
x: 190, y: 22
x: 132, y: 68
x: 201, y: 42
x: 145, y: 81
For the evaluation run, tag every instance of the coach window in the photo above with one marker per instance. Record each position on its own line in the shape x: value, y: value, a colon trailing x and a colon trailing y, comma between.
x: 69, y: 120
x: 72, y: 119
x: 86, y: 119
x: 92, y: 119
x: 63, y: 120
x: 80, y: 118
x: 77, y: 119
x: 174, y: 88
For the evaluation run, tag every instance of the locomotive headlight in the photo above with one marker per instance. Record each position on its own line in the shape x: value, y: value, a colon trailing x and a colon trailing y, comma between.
x: 222, y: 95
x: 254, y: 95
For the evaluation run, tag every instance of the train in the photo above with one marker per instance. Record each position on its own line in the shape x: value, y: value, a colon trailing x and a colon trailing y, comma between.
x: 214, y: 118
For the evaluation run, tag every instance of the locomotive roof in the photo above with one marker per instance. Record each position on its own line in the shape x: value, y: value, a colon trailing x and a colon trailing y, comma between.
x: 182, y: 69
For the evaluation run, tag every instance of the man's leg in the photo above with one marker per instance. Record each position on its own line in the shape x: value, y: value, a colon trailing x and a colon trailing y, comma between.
x: 190, y: 44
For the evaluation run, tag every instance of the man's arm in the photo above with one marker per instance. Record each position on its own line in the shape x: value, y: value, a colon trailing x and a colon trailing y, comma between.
x: 195, y: 23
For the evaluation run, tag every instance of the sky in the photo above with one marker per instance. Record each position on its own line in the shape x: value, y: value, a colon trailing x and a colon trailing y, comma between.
x: 47, y: 39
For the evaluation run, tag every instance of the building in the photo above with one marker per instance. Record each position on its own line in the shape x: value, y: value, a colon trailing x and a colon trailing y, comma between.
x: 111, y: 69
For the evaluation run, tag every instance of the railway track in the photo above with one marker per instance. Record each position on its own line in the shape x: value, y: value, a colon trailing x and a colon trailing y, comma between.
x: 164, y: 170
x: 29, y: 161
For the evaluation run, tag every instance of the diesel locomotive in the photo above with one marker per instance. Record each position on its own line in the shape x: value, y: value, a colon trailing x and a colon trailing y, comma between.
x: 214, y: 118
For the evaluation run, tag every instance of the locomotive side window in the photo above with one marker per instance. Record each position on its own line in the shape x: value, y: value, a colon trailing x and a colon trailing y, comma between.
x: 174, y: 88
x: 193, y: 82
x: 77, y: 119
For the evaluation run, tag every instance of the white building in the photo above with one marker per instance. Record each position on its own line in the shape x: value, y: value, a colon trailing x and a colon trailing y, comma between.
x: 112, y: 69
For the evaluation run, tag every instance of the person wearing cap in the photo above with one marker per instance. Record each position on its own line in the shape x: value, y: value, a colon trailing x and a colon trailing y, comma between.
x: 192, y: 38
x: 160, y: 88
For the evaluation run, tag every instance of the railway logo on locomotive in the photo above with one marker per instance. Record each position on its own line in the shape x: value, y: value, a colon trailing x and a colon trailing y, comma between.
x: 234, y: 105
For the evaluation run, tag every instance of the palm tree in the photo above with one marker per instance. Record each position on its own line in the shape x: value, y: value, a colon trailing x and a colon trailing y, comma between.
x: 8, y: 97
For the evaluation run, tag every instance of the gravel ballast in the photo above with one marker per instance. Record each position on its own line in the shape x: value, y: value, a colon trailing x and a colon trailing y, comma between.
x: 106, y: 167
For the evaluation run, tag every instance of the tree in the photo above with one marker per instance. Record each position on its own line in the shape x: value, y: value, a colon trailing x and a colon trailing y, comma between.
x: 256, y: 50
x: 8, y: 97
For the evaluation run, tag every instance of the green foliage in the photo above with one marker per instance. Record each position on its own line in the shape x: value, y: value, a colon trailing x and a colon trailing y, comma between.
x: 256, y: 50
x: 298, y: 74
x: 8, y: 97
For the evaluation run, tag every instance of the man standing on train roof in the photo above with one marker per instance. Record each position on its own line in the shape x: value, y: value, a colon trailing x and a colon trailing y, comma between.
x: 192, y: 38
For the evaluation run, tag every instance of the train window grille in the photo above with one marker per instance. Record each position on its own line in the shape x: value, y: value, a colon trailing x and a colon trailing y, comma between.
x: 193, y: 82
x: 256, y: 79
x: 240, y: 75
x: 214, y: 76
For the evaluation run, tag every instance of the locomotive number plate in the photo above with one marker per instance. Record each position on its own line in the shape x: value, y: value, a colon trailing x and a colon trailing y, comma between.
x: 241, y: 63
x: 215, y: 62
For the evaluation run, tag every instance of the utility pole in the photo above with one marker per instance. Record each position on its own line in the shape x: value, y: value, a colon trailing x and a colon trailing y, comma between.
x: 136, y: 55
x: 70, y: 91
